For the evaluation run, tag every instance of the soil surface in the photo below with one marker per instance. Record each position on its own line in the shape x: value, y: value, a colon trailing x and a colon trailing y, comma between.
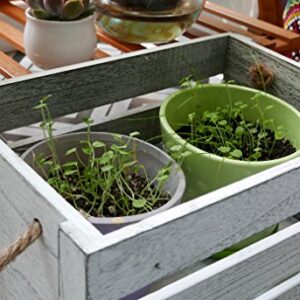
x: 137, y: 184
x: 281, y: 148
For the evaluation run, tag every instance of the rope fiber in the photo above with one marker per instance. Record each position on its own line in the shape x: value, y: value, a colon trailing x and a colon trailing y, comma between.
x: 33, y: 232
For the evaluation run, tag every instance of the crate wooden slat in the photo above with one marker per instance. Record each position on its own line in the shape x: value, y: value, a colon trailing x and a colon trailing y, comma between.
x: 114, y: 265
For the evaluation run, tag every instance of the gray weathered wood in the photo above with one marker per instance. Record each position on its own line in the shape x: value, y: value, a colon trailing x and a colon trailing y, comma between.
x: 287, y: 290
x: 243, y: 275
x: 72, y: 262
x: 91, y: 84
x: 146, y: 252
x: 241, y: 55
x: 25, y: 196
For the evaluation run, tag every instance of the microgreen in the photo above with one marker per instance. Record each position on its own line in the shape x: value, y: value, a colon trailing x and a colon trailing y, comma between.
x: 226, y: 132
x: 101, y: 180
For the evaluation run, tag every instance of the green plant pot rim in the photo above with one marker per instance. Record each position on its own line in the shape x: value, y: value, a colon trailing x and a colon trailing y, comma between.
x: 195, y: 150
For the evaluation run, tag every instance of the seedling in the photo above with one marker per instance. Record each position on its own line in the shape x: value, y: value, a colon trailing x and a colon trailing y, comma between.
x: 226, y: 132
x: 101, y: 180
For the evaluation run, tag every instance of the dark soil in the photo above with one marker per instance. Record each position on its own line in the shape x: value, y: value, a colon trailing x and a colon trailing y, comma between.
x: 136, y: 182
x: 281, y: 148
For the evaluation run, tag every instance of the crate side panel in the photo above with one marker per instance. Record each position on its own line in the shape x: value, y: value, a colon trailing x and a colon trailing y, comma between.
x: 159, y: 246
x: 287, y: 290
x: 23, y: 197
x: 93, y: 84
x: 243, y: 275
x: 241, y: 55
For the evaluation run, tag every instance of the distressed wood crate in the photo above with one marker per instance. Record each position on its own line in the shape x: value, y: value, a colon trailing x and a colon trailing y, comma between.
x: 72, y: 260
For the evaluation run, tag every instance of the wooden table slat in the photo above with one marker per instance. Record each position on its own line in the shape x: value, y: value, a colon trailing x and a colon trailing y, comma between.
x: 10, y: 68
x: 12, y: 35
x: 13, y: 11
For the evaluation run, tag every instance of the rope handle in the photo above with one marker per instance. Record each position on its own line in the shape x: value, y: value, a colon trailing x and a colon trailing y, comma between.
x: 33, y: 232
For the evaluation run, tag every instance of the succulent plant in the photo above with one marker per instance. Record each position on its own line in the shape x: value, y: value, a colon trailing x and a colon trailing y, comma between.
x: 60, y: 9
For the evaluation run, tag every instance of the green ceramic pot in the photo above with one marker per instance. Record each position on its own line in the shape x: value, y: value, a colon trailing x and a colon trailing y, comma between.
x: 207, y: 172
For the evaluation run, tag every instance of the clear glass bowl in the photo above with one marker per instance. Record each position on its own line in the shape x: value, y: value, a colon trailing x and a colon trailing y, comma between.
x: 147, y: 21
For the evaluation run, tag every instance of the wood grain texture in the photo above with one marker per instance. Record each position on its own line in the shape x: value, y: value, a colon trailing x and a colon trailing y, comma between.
x: 109, y: 80
x: 23, y: 197
x: 12, y: 35
x: 287, y: 290
x: 241, y: 55
x: 72, y: 262
x: 10, y: 68
x: 13, y: 11
x: 243, y: 275
x: 146, y: 252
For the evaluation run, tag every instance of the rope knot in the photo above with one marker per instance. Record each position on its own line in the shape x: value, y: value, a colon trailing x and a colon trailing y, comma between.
x: 261, y: 76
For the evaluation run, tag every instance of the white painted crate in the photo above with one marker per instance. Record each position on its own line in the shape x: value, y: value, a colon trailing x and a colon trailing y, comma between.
x: 74, y: 261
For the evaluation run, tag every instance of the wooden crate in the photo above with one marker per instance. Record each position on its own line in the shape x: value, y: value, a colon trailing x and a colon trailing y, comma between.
x: 72, y: 260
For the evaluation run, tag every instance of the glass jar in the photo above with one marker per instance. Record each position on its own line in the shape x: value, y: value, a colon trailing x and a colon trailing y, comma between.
x: 147, y: 21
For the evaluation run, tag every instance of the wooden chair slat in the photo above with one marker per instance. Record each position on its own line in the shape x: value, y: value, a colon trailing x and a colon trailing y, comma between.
x: 12, y: 35
x: 250, y: 22
x: 100, y: 54
x: 221, y: 27
x: 13, y: 12
x: 10, y: 68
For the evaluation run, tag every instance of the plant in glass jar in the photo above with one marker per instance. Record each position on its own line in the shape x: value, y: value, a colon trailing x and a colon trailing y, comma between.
x: 153, y: 21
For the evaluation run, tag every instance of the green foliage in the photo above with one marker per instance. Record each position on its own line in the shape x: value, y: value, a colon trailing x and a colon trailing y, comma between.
x: 226, y: 132
x: 100, y: 180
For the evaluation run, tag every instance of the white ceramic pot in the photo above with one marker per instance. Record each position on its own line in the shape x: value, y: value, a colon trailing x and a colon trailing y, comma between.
x: 51, y: 44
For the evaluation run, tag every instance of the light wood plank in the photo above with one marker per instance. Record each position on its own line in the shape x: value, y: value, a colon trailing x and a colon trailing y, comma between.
x: 183, y: 235
x: 252, y: 23
x: 243, y: 275
x: 72, y: 262
x: 108, y: 80
x: 13, y: 11
x: 287, y: 290
x: 12, y: 35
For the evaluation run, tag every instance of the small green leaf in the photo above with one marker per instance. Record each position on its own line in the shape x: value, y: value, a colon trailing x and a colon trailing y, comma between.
x: 88, y: 121
x: 239, y: 131
x: 106, y: 168
x: 278, y: 135
x: 98, y: 144
x: 70, y: 164
x: 176, y: 148
x: 87, y: 150
x: 223, y: 123
x: 236, y: 153
x: 130, y: 164
x: 71, y: 151
x: 192, y: 117
x: 262, y: 135
x: 70, y: 172
x: 140, y: 203
x: 135, y: 133
x: 224, y: 149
